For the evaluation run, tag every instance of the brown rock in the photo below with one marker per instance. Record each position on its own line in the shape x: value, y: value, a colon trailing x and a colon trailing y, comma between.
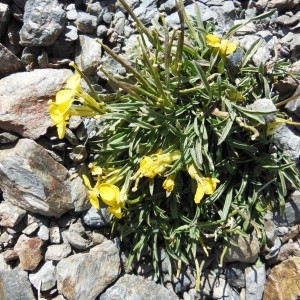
x: 245, y: 249
x: 283, y: 281
x: 9, y: 62
x: 31, y: 179
x: 283, y: 5
x: 29, y: 252
x: 24, y: 97
x: 10, y: 215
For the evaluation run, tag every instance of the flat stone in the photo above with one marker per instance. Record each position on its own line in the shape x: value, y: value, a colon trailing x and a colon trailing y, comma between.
x: 23, y: 93
x: 43, y: 22
x: 287, y: 139
x: 9, y: 62
x: 29, y: 252
x: 31, y: 179
x: 88, y: 54
x: 246, y: 250
x: 75, y: 240
x: 86, y: 23
x: 58, y: 252
x: 283, y: 5
x: 132, y: 287
x: 291, y: 212
x: 283, y: 280
x: 255, y: 281
x: 45, y: 278
x: 14, y: 285
x: 10, y: 215
x: 74, y: 278
x: 95, y: 218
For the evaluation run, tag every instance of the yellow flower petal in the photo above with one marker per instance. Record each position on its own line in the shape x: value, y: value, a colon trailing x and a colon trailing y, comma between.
x: 93, y: 195
x: 168, y: 184
x: 213, y: 40
x: 199, y: 193
x: 210, y: 185
x: 226, y: 47
x: 86, y: 182
x: 73, y: 83
x: 146, y: 167
x: 116, y: 211
x: 64, y: 100
x: 109, y: 193
x: 61, y: 129
x: 231, y: 47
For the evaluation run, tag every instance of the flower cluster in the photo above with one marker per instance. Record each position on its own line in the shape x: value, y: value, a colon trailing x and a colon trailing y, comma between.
x: 181, y: 159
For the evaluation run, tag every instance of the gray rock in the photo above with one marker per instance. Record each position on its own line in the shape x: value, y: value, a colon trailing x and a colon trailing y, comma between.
x: 45, y: 278
x: 86, y: 23
x: 75, y: 240
x: 271, y: 231
x: 265, y: 105
x: 43, y: 22
x: 216, y: 287
x: 88, y: 54
x: 23, y: 93
x: 235, y: 275
x: 294, y: 105
x: 295, y: 47
x: 4, y: 18
x: 245, y: 250
x: 7, y: 137
x: 43, y: 233
x: 32, y: 180
x: 95, y: 218
x: 72, y: 14
x: 30, y: 229
x: 119, y: 22
x: 78, y: 154
x: 101, y: 30
x: 58, y: 252
x: 9, y: 62
x: 133, y: 287
x: 287, y: 139
x: 71, y: 33
x: 15, y: 286
x: 80, y: 200
x: 54, y: 233
x: 108, y: 17
x: 74, y: 278
x: 292, y: 211
x: 283, y: 5
x: 3, y: 265
x: 255, y: 281
x: 207, y: 14
x: 10, y: 215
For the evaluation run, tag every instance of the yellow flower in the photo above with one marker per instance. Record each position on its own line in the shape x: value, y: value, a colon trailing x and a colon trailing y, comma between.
x: 93, y: 193
x: 147, y: 167
x: 205, y: 185
x: 169, y: 184
x: 157, y: 163
x: 109, y: 194
x: 58, y: 118
x: 225, y: 47
x: 73, y: 83
x: 64, y: 100
x: 59, y: 110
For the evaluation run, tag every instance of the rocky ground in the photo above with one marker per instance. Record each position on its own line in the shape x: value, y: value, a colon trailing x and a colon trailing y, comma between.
x: 53, y: 245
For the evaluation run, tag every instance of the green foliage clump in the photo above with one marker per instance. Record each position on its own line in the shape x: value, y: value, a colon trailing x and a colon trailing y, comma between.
x: 182, y: 159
